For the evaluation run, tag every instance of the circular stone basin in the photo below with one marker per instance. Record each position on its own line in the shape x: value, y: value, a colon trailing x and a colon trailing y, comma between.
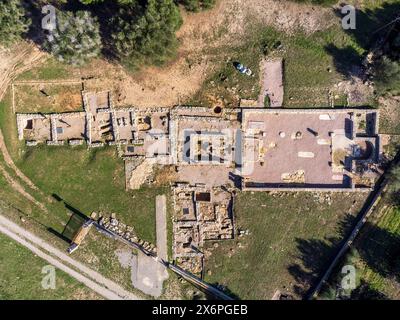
x: 217, y: 110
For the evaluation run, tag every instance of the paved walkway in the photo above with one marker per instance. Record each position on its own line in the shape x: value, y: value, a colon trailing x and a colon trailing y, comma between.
x: 272, y: 83
x: 148, y: 275
x: 161, y: 226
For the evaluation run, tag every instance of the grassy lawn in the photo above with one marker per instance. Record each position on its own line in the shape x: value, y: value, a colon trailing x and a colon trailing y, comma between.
x: 291, y: 237
x: 91, y: 180
x: 21, y: 276
x: 51, y: 69
x: 314, y: 63
x: 227, y: 86
x: 312, y: 66
x: 389, y: 125
x: 48, y: 97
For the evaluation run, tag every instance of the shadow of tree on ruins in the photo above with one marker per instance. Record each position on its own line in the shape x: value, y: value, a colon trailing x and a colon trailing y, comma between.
x: 347, y: 60
x: 314, y: 256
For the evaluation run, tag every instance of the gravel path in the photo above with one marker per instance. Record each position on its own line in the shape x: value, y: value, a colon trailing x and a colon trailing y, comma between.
x: 90, y: 278
x: 272, y: 82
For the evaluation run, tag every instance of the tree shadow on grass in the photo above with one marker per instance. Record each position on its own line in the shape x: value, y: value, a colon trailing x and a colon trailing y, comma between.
x: 364, y: 291
x: 380, y: 249
x: 370, y: 23
x: 367, y: 34
x: 315, y: 256
x: 347, y: 61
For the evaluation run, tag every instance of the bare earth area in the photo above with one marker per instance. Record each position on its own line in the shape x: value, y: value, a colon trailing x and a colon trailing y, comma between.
x: 213, y: 29
x: 16, y: 60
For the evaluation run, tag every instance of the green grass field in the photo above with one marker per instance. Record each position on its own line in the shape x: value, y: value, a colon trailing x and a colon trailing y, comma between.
x: 92, y: 180
x: 21, y: 280
x: 50, y: 70
x: 292, y: 236
x: 380, y: 243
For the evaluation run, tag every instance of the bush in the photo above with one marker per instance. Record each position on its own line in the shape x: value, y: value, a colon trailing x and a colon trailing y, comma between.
x: 387, y: 74
x: 197, y: 5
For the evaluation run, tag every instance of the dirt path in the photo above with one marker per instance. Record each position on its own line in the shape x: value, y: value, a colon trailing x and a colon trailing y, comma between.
x: 10, y: 163
x: 13, y: 61
x: 92, y: 279
x: 20, y: 189
x: 86, y: 281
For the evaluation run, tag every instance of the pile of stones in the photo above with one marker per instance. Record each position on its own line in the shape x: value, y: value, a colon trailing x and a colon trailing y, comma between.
x: 126, y: 232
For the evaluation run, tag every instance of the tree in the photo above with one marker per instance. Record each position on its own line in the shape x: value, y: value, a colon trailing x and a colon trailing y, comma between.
x: 91, y: 1
x: 13, y: 22
x: 76, y: 38
x: 395, y: 176
x: 387, y: 74
x: 197, y: 5
x: 146, y: 33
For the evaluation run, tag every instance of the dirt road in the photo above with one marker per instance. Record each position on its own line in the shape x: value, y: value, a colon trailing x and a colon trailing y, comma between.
x: 13, y: 61
x: 92, y: 279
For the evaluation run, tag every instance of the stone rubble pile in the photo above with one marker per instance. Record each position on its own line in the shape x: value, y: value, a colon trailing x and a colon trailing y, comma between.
x: 126, y: 232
